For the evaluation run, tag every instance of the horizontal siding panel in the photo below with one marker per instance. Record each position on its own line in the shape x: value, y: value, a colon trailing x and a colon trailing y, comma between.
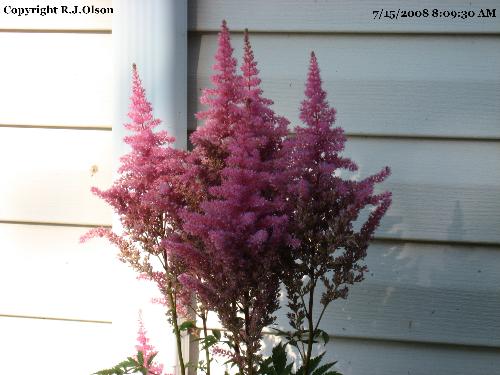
x: 60, y: 277
x: 358, y: 357
x: 432, y: 86
x: 36, y: 346
x: 442, y: 190
x: 63, y: 295
x: 55, y: 79
x: 422, y: 293
x: 338, y: 16
x: 47, y: 175
x: 85, y: 18
x: 417, y: 293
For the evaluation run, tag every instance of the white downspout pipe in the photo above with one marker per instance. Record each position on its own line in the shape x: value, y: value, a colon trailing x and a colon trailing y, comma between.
x: 152, y: 34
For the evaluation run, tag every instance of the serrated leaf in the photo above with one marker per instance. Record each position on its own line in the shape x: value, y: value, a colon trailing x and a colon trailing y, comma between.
x: 314, y: 362
x: 323, y: 369
x: 140, y: 358
x: 208, y: 341
x: 279, y: 358
x: 132, y: 361
x: 151, y: 358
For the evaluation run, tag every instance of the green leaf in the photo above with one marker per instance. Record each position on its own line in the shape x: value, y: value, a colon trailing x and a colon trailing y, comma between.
x: 151, y: 358
x: 217, y: 334
x: 208, y: 341
x: 293, y: 343
x: 140, y: 358
x: 314, y: 362
x: 326, y: 337
x: 279, y: 358
x: 313, y: 365
x: 279, y: 332
x: 188, y: 324
x: 323, y: 369
x: 131, y: 361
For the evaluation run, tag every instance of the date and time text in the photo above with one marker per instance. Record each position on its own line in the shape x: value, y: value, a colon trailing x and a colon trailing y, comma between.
x: 458, y: 14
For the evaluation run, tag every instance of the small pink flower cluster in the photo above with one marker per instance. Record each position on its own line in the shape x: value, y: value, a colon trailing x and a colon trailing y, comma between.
x: 147, y: 349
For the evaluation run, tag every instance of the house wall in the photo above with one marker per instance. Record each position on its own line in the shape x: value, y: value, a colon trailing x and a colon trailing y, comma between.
x: 422, y: 96
x: 56, y: 300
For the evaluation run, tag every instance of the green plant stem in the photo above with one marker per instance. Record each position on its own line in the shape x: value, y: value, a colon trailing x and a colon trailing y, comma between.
x: 205, y: 333
x: 320, y: 316
x: 236, y: 343
x: 173, y: 310
x: 310, y: 324
x: 249, y: 347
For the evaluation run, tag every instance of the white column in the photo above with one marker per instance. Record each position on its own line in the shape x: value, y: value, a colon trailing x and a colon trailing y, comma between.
x: 152, y: 34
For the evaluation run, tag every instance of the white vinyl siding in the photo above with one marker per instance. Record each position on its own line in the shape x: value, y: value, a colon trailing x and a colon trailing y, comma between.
x: 56, y: 79
x: 338, y: 16
x: 57, y: 295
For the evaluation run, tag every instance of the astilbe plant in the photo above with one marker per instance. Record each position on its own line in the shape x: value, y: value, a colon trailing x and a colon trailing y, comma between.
x: 239, y: 232
x: 249, y: 207
x: 144, y: 362
x: 323, y: 208
x: 147, y: 197
x: 148, y: 351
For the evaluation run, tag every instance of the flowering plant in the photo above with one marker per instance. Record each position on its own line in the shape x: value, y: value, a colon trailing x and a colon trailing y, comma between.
x: 323, y: 207
x: 143, y: 362
x: 147, y: 198
x: 219, y: 228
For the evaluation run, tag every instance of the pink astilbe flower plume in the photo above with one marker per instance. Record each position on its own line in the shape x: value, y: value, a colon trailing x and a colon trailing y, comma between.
x: 223, y: 101
x: 148, y: 196
x: 323, y: 208
x: 241, y: 229
x: 147, y: 350
x: 210, y: 151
